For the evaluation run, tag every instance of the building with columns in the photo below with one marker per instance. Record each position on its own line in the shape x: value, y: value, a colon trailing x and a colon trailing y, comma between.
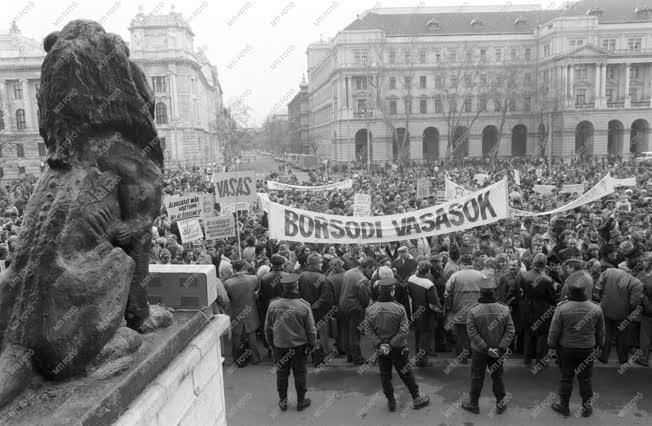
x: 22, y: 151
x: 189, y: 107
x: 417, y: 80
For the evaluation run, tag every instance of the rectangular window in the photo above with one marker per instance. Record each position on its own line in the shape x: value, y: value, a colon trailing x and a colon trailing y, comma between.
x: 512, y: 104
x: 467, y: 80
x: 392, y: 82
x: 452, y: 103
x: 581, y: 72
x: 37, y: 87
x: 21, y: 170
x: 360, y: 56
x: 438, y: 104
x: 572, y: 43
x: 497, y: 106
x: 528, y: 53
x: 634, y: 72
x: 438, y: 84
x: 634, y: 44
x: 422, y: 56
x: 580, y: 96
x: 482, y: 103
x: 423, y: 106
x: 392, y: 107
x: 362, y: 106
x: 609, y: 44
x: 407, y: 57
x: 42, y: 150
x: 20, y: 119
x: 483, y: 54
x: 360, y: 83
x: 20, y: 150
x: 611, y: 72
x: 546, y: 50
x: 526, y: 103
x: 527, y: 77
x: 610, y: 95
x: 18, y: 90
x: 159, y: 84
x: 513, y: 53
x: 407, y: 81
x: 468, y: 104
x: 422, y: 82
x: 438, y: 55
x: 499, y: 54
x: 469, y: 55
x: 483, y: 79
x: 453, y: 81
x: 392, y: 56
x: 408, y: 106
x: 452, y: 54
x: 633, y: 94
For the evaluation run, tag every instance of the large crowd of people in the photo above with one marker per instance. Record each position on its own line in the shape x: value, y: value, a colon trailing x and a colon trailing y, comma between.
x: 534, y: 263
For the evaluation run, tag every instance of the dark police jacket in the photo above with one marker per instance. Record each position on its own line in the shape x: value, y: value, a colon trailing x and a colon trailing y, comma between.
x: 315, y: 289
x: 289, y: 323
x: 387, y: 322
x: 489, y: 325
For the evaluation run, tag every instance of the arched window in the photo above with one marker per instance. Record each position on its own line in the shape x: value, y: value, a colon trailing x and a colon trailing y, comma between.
x: 20, y: 119
x: 161, y: 113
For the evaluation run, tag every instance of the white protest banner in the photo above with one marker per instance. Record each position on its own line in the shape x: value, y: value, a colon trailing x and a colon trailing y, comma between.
x: 361, y: 205
x: 577, y: 188
x: 476, y: 209
x: 601, y: 189
x: 423, y: 187
x: 624, y: 182
x: 517, y: 177
x: 544, y: 189
x: 235, y: 186
x: 180, y: 207
x: 453, y: 190
x: 481, y: 178
x: 190, y: 230
x: 278, y: 186
x: 219, y: 227
x: 207, y: 204
x: 231, y: 207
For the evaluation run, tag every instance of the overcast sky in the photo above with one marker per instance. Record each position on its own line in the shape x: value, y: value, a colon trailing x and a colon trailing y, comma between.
x: 244, y: 39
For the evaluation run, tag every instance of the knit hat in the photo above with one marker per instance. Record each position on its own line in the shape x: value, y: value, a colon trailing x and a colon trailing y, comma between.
x: 385, y: 272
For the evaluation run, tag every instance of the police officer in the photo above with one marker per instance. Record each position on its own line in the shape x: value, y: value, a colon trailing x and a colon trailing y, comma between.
x: 290, y: 330
x: 386, y: 325
x: 491, y: 330
x: 577, y: 332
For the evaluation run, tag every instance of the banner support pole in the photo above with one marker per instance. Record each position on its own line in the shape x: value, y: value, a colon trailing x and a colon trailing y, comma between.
x: 237, y: 230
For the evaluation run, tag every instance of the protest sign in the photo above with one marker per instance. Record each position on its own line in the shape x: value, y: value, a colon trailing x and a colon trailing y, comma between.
x: 483, y: 207
x: 235, y: 186
x: 572, y: 189
x: 453, y: 190
x: 279, y: 186
x: 219, y: 227
x: 544, y: 189
x: 481, y: 178
x: 361, y: 204
x: 624, y: 182
x: 207, y: 203
x: 423, y: 188
x: 181, y: 207
x: 517, y: 177
x: 190, y: 230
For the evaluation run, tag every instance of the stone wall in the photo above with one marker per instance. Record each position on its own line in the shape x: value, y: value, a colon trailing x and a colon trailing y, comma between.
x: 190, y: 391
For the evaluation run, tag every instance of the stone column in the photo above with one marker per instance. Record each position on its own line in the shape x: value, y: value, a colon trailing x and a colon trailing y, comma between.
x: 628, y: 99
x: 571, y: 86
x: 4, y: 104
x: 603, y: 86
x: 27, y: 104
x: 563, y: 92
x: 649, y: 76
x: 174, y: 113
x: 597, y: 85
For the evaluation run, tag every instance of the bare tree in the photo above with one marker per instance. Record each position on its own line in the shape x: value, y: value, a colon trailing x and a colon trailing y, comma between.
x: 232, y: 131
x: 9, y: 144
x: 465, y: 80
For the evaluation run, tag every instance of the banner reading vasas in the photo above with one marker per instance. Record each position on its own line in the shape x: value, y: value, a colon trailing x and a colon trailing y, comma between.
x: 479, y: 208
x: 235, y: 187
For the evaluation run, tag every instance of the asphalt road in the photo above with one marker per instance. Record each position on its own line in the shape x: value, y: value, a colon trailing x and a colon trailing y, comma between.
x: 350, y: 396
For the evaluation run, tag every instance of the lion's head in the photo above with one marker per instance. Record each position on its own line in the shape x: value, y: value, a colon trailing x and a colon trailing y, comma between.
x: 89, y: 86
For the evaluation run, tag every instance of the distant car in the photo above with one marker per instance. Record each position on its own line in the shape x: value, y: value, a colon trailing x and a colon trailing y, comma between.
x: 644, y: 156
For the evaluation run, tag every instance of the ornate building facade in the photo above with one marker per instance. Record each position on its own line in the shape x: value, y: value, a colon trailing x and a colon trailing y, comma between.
x: 189, y: 107
x: 299, y: 121
x: 560, y: 83
x: 22, y: 151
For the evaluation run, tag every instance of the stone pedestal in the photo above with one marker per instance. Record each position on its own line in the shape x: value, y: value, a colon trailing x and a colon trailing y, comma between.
x: 190, y: 391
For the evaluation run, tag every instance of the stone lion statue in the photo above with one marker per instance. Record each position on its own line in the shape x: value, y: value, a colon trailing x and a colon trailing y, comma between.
x: 82, y: 254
